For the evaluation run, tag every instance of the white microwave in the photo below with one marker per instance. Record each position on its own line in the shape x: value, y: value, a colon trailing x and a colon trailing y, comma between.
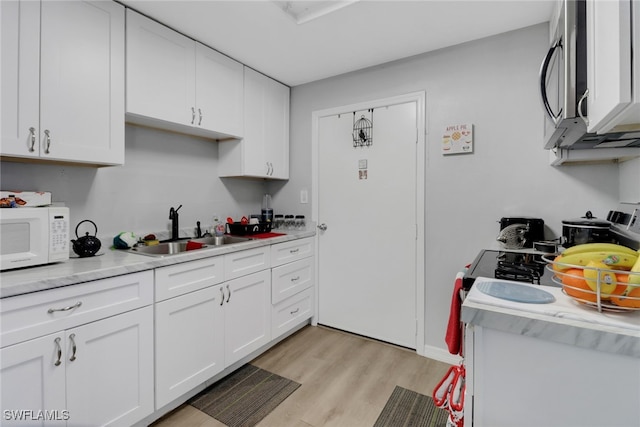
x: 33, y: 236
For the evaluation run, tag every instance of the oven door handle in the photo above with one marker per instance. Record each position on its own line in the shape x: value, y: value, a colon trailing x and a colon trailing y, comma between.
x: 544, y: 69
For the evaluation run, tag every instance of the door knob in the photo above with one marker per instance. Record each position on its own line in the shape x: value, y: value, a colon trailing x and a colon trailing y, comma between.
x: 322, y: 227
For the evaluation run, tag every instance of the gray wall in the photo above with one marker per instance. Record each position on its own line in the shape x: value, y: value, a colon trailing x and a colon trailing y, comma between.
x: 491, y: 83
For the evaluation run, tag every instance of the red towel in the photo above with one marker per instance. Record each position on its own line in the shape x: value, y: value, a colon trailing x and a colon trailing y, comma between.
x: 454, y: 328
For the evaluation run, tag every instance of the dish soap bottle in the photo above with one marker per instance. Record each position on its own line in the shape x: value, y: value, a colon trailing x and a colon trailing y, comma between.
x: 218, y: 226
x: 267, y: 211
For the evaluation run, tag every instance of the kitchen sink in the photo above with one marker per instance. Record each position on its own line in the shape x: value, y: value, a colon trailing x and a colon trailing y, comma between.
x: 221, y: 240
x: 177, y: 247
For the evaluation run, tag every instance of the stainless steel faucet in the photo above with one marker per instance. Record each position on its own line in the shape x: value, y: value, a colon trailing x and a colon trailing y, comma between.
x: 175, y: 228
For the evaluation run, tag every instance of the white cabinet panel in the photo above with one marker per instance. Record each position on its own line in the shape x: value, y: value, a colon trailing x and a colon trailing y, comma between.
x: 175, y: 83
x: 245, y: 262
x: 110, y: 370
x: 78, y: 50
x: 289, y: 279
x: 609, y: 56
x: 291, y: 312
x: 220, y: 89
x: 189, y: 342
x: 264, y: 150
x: 160, y: 71
x: 186, y: 277
x: 32, y: 363
x: 247, y: 315
x: 282, y: 253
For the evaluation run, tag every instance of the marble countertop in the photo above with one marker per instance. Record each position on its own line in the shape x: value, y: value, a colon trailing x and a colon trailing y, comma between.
x: 563, y: 321
x: 113, y: 262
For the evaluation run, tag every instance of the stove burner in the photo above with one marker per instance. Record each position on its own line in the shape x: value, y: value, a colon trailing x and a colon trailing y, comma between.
x: 518, y: 272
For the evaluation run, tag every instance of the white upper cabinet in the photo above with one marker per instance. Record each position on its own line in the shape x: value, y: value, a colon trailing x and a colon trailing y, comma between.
x: 264, y: 151
x: 613, y: 73
x: 175, y: 83
x: 63, y: 81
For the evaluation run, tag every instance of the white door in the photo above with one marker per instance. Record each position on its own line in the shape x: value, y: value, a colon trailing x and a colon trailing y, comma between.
x: 367, y: 199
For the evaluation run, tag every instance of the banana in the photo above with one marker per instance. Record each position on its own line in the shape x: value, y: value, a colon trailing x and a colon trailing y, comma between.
x: 634, y: 279
x: 599, y: 247
x: 614, y: 260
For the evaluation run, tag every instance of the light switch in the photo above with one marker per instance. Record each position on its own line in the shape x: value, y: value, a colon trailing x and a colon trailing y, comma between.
x: 304, y: 196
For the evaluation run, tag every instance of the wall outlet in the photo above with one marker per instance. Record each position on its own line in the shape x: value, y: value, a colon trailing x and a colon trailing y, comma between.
x: 304, y: 196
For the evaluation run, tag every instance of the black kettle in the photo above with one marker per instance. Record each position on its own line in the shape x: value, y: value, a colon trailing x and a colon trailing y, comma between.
x: 86, y: 245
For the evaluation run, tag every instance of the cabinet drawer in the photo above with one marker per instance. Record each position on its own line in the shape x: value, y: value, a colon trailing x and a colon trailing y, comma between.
x: 32, y: 315
x: 180, y: 279
x: 282, y: 253
x: 290, y: 312
x: 241, y: 263
x: 289, y: 279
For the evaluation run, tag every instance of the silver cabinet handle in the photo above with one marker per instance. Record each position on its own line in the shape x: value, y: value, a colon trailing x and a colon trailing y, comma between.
x: 584, y: 96
x: 229, y: 293
x: 59, y: 351
x: 73, y: 347
x: 221, y: 293
x: 271, y: 165
x: 322, y: 227
x: 71, y: 307
x: 295, y: 279
x: 295, y: 311
x: 193, y: 115
x: 293, y: 251
x: 200, y: 115
x: 32, y: 131
x: 47, y: 135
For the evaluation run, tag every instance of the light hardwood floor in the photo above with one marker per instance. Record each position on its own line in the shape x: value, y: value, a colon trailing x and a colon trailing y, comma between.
x: 345, y: 380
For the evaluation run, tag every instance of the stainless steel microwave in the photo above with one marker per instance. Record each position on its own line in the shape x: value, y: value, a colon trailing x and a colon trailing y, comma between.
x: 563, y: 76
x: 33, y: 236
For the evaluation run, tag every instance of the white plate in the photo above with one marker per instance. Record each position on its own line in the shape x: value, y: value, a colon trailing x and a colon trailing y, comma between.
x: 515, y: 292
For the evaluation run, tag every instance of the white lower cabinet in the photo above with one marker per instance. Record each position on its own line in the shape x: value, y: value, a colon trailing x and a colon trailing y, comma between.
x: 201, y: 332
x: 189, y: 342
x: 247, y: 315
x: 100, y: 373
x: 291, y: 312
x: 292, y: 280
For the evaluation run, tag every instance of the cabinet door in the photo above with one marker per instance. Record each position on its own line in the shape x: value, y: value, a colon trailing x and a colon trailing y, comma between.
x: 608, y: 61
x: 276, y: 129
x: 189, y: 342
x: 20, y: 37
x: 110, y: 369
x: 264, y: 151
x: 82, y: 81
x: 160, y: 72
x: 247, y: 315
x: 30, y: 380
x: 219, y: 92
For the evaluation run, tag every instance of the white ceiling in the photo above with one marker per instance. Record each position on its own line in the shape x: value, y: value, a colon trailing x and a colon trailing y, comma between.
x: 361, y: 34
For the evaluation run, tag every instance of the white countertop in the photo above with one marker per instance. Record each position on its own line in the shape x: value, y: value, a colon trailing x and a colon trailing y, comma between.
x: 564, y: 320
x: 114, y: 262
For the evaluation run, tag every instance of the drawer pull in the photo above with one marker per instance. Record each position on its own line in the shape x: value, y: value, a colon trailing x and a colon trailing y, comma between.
x: 73, y: 347
x: 71, y: 307
x: 229, y: 293
x: 59, y: 351
x: 48, y: 140
x: 200, y: 115
x: 296, y: 310
x: 293, y: 251
x: 193, y: 115
x: 222, y: 293
x: 295, y: 279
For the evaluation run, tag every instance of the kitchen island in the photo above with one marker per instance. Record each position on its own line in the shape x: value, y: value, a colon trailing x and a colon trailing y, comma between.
x: 555, y: 364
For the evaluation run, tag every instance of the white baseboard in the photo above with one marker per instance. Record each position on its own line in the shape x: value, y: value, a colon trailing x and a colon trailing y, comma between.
x: 441, y: 355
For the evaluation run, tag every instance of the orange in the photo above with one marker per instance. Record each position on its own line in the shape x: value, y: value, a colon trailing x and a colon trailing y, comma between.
x: 624, y: 301
x: 573, y: 284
